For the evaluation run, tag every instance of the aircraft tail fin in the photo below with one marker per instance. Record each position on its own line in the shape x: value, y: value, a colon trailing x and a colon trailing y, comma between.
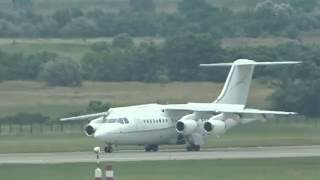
x: 237, y: 86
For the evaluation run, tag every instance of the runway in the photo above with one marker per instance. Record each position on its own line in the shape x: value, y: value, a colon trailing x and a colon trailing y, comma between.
x: 176, y: 154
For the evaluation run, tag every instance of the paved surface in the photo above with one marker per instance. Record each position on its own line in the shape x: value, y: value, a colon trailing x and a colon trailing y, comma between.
x: 219, y: 153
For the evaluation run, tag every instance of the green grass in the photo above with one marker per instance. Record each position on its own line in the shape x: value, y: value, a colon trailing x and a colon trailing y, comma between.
x: 255, y: 134
x: 257, y: 169
x: 24, y: 96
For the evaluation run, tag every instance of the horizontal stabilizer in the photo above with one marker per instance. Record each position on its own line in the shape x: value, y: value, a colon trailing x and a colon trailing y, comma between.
x: 241, y: 62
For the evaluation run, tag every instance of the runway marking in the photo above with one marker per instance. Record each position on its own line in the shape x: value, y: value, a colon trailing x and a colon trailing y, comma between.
x: 173, y: 154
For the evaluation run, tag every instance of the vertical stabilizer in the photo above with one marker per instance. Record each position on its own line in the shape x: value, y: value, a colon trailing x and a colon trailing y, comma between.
x: 237, y: 86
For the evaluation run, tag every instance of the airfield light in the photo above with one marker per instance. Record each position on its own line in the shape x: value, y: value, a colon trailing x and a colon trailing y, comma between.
x: 98, y: 171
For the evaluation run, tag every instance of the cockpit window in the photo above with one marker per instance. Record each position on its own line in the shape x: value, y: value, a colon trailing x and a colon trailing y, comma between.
x: 111, y: 120
x: 118, y: 120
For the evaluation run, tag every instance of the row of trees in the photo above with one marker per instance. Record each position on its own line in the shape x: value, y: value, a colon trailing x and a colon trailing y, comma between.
x: 177, y: 59
x: 38, y: 118
x: 269, y: 17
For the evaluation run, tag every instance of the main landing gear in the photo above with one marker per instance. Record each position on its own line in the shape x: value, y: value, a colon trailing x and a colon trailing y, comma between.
x: 152, y: 147
x: 108, y: 148
x: 193, y: 147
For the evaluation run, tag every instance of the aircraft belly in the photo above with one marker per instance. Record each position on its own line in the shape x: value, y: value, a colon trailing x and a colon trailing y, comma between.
x: 156, y: 136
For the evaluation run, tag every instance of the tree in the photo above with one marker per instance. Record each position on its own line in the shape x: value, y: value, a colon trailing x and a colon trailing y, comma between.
x: 299, y: 92
x: 147, y: 63
x: 123, y: 41
x: 184, y: 52
x: 62, y: 72
x: 142, y: 5
x: 97, y: 106
x: 195, y: 10
x: 80, y: 27
x: 25, y: 117
x: 274, y: 16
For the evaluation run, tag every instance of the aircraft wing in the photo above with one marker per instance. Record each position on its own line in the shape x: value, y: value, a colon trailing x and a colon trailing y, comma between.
x: 222, y: 108
x: 88, y: 116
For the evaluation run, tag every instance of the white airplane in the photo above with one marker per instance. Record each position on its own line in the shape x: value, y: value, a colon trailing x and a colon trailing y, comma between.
x: 152, y: 125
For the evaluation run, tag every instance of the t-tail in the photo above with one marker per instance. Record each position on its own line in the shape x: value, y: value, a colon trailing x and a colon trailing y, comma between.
x: 237, y: 86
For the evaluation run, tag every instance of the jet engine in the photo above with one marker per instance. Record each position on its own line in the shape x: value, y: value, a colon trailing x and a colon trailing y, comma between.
x: 91, y: 128
x: 186, y: 126
x: 215, y: 126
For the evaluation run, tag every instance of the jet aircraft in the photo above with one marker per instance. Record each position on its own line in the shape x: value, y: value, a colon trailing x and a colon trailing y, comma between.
x: 191, y: 124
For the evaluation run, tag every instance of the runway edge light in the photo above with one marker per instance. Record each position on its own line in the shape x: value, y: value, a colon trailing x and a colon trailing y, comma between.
x: 98, y: 174
x: 109, y: 172
x: 97, y: 171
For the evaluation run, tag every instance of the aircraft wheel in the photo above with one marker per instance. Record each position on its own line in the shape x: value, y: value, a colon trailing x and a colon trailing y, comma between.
x: 193, y: 147
x: 108, y: 149
x: 147, y: 148
x: 196, y: 148
x: 189, y: 148
x: 155, y: 148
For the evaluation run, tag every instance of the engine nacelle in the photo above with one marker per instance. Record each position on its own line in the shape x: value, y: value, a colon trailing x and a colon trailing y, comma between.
x: 91, y: 129
x: 215, y: 126
x: 186, y: 126
x: 92, y: 126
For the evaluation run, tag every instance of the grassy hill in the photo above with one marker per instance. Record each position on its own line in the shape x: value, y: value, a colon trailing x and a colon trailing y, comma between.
x: 24, y: 96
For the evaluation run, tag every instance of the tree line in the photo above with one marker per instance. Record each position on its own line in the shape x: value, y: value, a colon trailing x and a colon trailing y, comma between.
x: 176, y: 59
x: 267, y: 18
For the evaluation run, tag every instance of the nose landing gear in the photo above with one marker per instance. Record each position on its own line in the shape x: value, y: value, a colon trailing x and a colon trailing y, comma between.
x: 108, y: 148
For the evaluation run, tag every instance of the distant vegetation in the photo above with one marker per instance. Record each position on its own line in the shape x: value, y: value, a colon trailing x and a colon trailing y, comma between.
x: 140, y: 18
x: 181, y: 38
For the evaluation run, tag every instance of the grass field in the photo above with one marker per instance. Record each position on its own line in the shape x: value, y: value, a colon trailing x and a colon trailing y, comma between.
x: 273, y: 133
x: 257, y: 169
x: 23, y: 96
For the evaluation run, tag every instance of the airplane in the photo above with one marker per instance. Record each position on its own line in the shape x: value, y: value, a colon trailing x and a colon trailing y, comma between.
x: 190, y: 124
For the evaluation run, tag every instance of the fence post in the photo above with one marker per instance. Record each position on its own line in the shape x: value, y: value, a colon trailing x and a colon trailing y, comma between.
x: 81, y: 127
x: 10, y: 128
x: 20, y: 128
x: 61, y: 127
x: 31, y: 130
x: 41, y: 126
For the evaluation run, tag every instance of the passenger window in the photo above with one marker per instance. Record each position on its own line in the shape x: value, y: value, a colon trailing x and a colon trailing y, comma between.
x: 111, y: 120
x: 126, y: 120
x: 120, y: 121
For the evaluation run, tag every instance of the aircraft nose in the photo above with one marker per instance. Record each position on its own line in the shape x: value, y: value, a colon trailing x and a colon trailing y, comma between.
x: 99, y: 134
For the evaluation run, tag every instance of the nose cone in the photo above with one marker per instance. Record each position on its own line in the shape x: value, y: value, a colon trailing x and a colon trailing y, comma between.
x: 100, y: 134
x: 106, y: 132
